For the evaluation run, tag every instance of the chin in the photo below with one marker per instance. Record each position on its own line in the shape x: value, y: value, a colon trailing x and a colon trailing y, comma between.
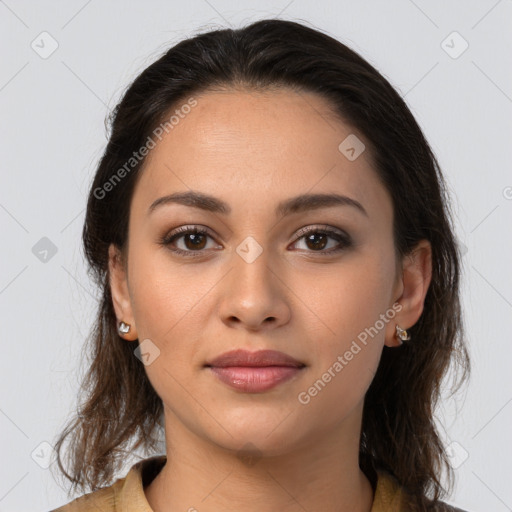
x: 261, y: 433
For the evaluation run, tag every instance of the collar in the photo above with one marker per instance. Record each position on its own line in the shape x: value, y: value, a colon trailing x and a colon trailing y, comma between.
x: 131, y: 498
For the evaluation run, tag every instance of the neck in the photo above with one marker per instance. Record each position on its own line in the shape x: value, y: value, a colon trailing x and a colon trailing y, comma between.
x: 320, y: 474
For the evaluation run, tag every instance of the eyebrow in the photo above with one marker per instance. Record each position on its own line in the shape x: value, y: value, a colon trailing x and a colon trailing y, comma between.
x: 301, y: 203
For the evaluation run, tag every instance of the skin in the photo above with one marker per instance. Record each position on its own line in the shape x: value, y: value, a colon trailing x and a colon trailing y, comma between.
x: 253, y: 150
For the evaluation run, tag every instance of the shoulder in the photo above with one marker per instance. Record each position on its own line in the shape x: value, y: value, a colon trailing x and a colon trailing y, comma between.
x: 103, y: 499
x: 126, y: 494
x: 389, y: 495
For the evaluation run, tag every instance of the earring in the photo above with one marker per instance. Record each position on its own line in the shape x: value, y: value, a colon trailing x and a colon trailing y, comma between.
x: 123, y: 328
x: 401, y: 334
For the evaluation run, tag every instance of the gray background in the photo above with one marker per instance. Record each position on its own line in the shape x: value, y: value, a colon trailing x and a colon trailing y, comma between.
x: 52, y: 134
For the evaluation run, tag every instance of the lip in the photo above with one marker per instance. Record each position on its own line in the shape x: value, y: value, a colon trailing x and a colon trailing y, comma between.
x: 259, y: 358
x: 254, y: 372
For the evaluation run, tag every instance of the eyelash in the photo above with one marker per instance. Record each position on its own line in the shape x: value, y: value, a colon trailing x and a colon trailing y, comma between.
x: 341, y: 237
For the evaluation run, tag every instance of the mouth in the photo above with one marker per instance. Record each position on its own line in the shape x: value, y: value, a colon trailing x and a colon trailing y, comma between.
x: 257, y: 359
x: 254, y: 372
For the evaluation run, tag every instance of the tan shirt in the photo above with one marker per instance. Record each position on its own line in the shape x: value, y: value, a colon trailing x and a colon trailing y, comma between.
x: 127, y: 494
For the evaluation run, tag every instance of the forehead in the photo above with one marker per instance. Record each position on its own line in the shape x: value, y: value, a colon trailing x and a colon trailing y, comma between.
x: 253, y: 145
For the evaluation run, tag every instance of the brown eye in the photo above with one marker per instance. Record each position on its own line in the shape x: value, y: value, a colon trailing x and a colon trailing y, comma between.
x: 193, y: 241
x: 318, y: 240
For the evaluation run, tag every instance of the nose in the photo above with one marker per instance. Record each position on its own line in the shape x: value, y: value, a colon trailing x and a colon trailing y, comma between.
x: 254, y: 295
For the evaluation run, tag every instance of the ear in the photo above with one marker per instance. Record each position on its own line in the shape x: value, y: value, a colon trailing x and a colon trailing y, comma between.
x: 412, y: 289
x: 120, y: 294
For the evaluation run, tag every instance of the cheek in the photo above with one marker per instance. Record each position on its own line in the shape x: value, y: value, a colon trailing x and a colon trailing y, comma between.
x: 348, y: 300
x: 346, y: 357
x: 166, y: 306
x: 353, y: 306
x: 164, y: 295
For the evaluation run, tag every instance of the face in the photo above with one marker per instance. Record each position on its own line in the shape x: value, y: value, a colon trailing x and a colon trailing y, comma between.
x: 316, y: 281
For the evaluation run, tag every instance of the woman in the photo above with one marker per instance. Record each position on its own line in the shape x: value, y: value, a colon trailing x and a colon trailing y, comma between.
x: 270, y: 226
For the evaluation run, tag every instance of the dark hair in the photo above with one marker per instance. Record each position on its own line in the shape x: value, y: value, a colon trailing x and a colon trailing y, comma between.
x: 122, y: 411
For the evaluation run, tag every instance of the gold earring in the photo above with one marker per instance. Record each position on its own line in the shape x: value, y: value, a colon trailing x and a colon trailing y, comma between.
x: 401, y: 334
x: 123, y: 328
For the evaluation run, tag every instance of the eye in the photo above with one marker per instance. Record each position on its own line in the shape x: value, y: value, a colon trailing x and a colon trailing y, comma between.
x: 193, y: 240
x: 316, y: 239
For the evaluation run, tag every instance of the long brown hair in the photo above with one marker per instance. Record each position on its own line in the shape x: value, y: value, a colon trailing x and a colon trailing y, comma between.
x: 120, y: 410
